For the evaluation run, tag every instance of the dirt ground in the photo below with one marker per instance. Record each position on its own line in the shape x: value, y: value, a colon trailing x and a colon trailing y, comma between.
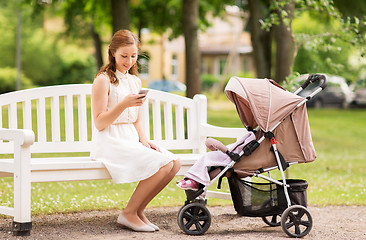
x: 334, y: 222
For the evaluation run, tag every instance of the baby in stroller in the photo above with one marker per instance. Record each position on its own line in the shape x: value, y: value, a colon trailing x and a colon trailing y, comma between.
x: 207, y: 167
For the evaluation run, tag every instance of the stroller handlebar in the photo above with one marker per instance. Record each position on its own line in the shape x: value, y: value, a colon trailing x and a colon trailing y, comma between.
x: 314, y: 78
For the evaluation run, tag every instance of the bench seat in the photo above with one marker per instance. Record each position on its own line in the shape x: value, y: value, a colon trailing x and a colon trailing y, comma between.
x: 65, y: 168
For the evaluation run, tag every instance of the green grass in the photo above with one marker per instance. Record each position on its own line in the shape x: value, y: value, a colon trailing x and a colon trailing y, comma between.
x: 336, y: 177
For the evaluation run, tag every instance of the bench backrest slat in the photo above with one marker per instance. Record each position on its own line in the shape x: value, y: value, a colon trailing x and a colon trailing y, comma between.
x: 41, y: 120
x: 156, y: 120
x: 69, y: 118
x: 27, y: 114
x: 179, y: 122
x: 61, y: 118
x: 55, y: 119
x: 82, y: 115
x: 13, y: 122
x: 168, y: 121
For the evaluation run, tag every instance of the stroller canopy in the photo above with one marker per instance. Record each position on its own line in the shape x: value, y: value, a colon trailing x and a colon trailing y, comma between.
x: 263, y: 103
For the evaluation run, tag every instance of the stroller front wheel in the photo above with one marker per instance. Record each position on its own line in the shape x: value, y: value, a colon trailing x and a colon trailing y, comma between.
x: 296, y: 221
x: 194, y: 219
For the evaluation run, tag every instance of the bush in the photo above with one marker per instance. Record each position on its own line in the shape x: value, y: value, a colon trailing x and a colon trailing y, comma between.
x: 77, y: 66
x: 208, y: 81
x: 47, y: 58
x: 8, y: 80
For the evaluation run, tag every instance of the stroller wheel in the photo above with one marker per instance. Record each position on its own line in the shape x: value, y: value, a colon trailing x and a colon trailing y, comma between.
x: 194, y: 218
x: 273, y: 221
x: 296, y: 221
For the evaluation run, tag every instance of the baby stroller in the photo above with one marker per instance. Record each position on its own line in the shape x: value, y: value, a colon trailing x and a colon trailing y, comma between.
x: 279, y: 120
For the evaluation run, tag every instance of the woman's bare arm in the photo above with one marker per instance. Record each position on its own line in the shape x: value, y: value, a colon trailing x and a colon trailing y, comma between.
x: 103, y: 117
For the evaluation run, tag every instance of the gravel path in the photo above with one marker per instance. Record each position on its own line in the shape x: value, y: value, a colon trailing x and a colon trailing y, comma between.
x: 334, y: 222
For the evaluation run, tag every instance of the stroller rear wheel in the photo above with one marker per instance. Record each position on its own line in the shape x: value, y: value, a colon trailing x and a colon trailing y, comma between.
x: 194, y: 219
x: 273, y: 221
x: 296, y: 221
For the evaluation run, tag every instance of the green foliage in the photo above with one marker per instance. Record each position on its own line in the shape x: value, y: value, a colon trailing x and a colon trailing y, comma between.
x: 47, y: 59
x: 323, y: 47
x: 8, y: 79
x: 41, y: 59
x: 160, y: 15
x: 325, y: 39
x: 76, y: 67
x: 208, y: 81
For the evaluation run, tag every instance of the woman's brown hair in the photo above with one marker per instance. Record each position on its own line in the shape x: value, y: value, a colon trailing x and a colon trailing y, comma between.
x: 120, y: 39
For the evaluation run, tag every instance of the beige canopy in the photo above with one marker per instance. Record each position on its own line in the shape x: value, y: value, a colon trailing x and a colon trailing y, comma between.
x: 263, y: 103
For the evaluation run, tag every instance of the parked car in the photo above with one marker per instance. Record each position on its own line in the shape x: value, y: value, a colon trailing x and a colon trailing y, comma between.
x: 167, y: 86
x: 359, y: 99
x: 336, y: 94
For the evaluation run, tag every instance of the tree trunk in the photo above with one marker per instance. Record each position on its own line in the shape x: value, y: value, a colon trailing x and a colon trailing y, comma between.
x: 261, y: 39
x: 97, y: 46
x: 190, y: 30
x: 285, y: 46
x: 120, y: 15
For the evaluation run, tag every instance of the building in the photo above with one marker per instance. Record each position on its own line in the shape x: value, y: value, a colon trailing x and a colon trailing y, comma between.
x: 225, y: 50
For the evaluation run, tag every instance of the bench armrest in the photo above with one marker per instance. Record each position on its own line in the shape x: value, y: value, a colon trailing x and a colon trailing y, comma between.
x: 21, y: 137
x: 226, y: 132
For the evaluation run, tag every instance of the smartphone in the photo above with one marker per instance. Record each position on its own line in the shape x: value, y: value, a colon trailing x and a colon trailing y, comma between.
x: 143, y: 91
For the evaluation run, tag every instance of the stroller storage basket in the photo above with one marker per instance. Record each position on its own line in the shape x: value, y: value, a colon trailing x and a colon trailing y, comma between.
x: 265, y: 199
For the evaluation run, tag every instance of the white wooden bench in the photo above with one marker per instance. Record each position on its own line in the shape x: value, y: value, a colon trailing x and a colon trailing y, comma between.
x: 57, y: 119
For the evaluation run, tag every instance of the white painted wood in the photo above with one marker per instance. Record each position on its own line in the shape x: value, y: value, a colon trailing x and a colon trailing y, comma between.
x: 7, y: 210
x: 145, y: 118
x: 221, y: 195
x: 22, y: 184
x: 179, y: 121
x: 156, y: 120
x: 41, y: 119
x: 201, y: 119
x: 27, y: 114
x: 69, y: 118
x: 168, y: 121
x: 189, y: 113
x: 13, y: 116
x: 82, y: 118
x: 1, y: 119
x: 55, y: 119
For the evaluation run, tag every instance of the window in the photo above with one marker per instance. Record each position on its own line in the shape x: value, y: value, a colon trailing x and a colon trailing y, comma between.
x: 175, y: 64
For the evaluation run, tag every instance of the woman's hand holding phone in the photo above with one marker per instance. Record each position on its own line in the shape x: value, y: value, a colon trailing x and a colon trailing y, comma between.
x: 144, y: 92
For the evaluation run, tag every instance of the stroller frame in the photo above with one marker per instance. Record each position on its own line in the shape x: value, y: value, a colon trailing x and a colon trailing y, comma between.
x: 194, y: 205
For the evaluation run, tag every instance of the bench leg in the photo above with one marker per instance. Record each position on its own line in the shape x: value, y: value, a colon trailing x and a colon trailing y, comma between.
x: 22, y: 229
x: 22, y: 193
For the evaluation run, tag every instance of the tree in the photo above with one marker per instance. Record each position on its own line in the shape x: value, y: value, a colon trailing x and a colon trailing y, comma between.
x: 85, y: 18
x: 120, y: 15
x: 285, y: 43
x: 261, y: 39
x: 279, y: 23
x: 190, y: 29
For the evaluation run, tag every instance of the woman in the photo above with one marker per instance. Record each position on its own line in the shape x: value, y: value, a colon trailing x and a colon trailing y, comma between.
x: 120, y: 142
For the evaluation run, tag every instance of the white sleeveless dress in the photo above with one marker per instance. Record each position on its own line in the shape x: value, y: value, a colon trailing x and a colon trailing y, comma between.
x: 118, y: 146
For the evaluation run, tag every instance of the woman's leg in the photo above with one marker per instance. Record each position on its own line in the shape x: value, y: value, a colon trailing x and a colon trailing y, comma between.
x: 158, y: 189
x: 143, y: 190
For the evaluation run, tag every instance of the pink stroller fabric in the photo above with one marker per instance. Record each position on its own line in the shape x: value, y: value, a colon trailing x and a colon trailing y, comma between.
x: 264, y: 103
x: 199, y: 171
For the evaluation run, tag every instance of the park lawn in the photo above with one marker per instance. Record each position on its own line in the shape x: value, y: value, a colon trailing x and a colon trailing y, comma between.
x: 337, y: 177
